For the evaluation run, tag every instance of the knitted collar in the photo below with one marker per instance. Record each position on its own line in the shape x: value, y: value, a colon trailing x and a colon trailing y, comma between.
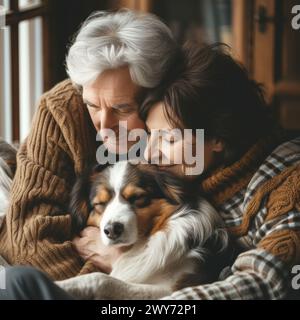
x: 224, y: 182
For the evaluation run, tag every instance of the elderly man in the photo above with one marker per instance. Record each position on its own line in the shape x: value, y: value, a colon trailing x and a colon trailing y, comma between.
x: 114, y: 59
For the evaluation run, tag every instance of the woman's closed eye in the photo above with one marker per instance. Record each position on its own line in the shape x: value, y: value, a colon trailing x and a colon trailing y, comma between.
x: 171, y: 138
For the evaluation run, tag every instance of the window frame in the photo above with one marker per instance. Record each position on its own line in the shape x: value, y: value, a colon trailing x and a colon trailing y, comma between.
x: 14, y: 16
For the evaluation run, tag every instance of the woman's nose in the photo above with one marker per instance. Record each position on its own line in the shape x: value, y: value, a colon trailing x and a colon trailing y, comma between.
x: 147, y: 153
x: 152, y: 152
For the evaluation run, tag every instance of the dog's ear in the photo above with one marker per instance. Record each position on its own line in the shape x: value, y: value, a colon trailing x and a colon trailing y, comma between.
x: 80, y: 206
x: 177, y: 190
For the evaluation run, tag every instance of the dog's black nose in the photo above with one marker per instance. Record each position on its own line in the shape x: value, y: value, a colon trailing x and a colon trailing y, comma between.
x: 114, y: 230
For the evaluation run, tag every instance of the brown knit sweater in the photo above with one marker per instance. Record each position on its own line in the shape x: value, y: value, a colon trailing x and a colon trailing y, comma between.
x: 62, y: 142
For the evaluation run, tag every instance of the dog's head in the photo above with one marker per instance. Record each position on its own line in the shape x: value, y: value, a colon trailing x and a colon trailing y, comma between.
x: 127, y: 202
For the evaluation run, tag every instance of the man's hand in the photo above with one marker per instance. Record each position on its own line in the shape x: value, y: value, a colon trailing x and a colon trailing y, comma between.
x: 90, y: 247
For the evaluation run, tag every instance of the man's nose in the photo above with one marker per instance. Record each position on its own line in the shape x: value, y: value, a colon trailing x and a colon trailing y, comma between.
x: 108, y: 120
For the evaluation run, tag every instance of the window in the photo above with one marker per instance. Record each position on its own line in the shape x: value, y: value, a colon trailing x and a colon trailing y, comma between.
x: 202, y: 20
x: 23, y: 55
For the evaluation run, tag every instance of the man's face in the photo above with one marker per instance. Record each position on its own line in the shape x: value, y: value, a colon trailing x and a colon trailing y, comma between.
x: 111, y: 98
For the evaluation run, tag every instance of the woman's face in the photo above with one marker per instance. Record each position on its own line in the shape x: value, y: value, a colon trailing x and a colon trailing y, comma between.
x: 167, y: 149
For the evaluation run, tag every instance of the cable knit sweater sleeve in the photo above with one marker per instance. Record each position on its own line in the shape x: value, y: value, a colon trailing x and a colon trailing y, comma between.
x: 37, y: 228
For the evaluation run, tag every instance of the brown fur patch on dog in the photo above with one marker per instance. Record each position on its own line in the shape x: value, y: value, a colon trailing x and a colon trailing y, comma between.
x: 94, y: 219
x: 103, y: 195
x: 154, y: 217
x: 132, y: 190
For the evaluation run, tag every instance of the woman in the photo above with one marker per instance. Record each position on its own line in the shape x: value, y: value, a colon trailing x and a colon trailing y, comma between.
x: 250, y: 175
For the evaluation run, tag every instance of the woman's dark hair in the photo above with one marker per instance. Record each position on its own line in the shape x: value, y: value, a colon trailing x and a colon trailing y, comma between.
x: 207, y: 89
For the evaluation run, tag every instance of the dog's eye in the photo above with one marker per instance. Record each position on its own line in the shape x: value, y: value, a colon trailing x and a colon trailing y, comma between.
x: 99, y: 206
x: 138, y: 200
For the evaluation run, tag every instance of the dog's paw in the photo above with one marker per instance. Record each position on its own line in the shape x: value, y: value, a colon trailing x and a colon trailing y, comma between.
x: 104, y: 286
x: 70, y: 288
x: 88, y: 286
x: 74, y: 287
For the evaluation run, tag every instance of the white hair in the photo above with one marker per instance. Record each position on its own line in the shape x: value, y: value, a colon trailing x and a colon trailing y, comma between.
x: 111, y: 40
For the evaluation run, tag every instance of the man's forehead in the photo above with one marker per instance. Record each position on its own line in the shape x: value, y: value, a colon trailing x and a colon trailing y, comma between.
x: 113, y: 80
x: 111, y: 94
x: 103, y: 99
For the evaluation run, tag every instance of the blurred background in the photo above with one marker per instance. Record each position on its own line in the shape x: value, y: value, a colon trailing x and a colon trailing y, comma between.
x: 36, y: 35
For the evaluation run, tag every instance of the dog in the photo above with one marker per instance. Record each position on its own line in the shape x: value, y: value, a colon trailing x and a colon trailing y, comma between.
x: 173, y: 237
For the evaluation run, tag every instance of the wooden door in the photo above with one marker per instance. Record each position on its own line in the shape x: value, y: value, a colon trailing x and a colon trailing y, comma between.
x: 276, y: 52
x: 139, y: 5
